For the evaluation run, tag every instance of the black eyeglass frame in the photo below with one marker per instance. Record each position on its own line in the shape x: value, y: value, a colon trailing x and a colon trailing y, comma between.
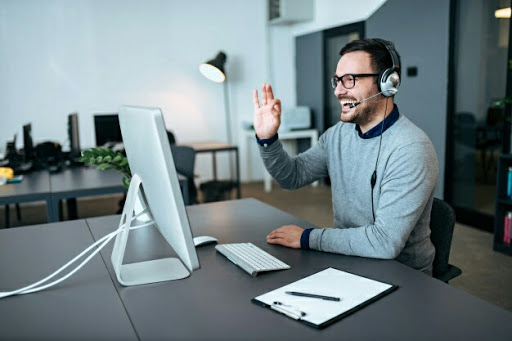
x: 335, y: 79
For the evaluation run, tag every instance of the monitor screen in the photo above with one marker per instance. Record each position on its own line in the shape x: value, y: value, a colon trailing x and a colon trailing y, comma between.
x: 28, y: 145
x: 106, y: 127
x: 74, y: 138
x: 151, y: 159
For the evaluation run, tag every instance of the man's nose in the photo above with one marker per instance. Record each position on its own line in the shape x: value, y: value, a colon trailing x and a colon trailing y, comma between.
x: 340, y: 89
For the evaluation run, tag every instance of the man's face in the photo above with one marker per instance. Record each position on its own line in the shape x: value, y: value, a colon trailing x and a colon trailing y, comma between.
x: 357, y: 62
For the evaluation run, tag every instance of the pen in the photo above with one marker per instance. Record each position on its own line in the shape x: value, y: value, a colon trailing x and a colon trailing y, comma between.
x: 288, y: 310
x: 327, y: 298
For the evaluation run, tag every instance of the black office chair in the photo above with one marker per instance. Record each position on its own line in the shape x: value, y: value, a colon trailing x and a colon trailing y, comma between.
x: 184, y: 160
x: 442, y: 222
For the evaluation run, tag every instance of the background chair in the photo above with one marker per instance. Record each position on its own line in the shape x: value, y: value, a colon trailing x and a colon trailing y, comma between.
x: 184, y: 160
x: 442, y: 222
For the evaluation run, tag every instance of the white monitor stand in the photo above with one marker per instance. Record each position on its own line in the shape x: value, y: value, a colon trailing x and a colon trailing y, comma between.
x: 157, y: 270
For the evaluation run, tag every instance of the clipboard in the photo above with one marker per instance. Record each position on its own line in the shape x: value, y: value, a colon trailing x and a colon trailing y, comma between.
x: 354, y: 292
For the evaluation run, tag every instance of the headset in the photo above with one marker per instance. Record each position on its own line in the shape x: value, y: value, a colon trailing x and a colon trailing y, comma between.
x: 389, y: 79
x: 388, y: 83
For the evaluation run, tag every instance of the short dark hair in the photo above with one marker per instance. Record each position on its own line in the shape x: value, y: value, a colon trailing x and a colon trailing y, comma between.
x: 380, y: 57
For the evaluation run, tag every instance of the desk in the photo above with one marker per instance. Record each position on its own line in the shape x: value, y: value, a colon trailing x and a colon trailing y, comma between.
x: 71, y: 183
x: 34, y: 187
x: 214, y: 303
x: 78, y: 182
x: 214, y: 147
x: 86, y: 306
x: 311, y: 134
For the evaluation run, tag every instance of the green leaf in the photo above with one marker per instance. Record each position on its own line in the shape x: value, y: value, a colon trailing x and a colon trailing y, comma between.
x: 99, y: 159
x: 126, y: 182
x: 117, y: 159
x: 107, y: 158
x: 124, y: 162
x: 103, y: 152
x: 105, y: 166
x: 87, y: 153
x: 94, y: 152
x: 92, y: 161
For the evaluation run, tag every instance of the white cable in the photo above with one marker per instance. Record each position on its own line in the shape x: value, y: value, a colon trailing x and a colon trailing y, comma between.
x: 105, y: 240
x: 110, y: 236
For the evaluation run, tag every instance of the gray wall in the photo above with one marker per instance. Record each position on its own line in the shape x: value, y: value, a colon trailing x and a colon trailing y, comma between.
x: 420, y: 31
x: 309, y: 64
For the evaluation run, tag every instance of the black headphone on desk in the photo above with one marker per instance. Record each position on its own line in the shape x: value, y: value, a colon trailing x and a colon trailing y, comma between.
x: 389, y: 79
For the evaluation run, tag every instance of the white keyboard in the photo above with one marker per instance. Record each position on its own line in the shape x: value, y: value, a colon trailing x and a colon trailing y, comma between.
x: 251, y: 258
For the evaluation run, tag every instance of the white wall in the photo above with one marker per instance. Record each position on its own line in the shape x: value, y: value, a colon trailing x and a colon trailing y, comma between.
x: 92, y: 56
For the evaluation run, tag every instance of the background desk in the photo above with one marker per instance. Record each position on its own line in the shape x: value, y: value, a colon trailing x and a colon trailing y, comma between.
x: 250, y: 142
x: 214, y: 303
x: 78, y: 182
x: 68, y: 184
x: 214, y: 147
x: 34, y: 187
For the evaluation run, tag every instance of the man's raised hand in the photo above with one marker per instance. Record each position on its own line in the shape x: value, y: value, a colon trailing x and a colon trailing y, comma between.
x: 267, y: 117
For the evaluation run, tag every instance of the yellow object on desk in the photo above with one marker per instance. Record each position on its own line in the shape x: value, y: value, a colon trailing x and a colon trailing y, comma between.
x: 6, y: 172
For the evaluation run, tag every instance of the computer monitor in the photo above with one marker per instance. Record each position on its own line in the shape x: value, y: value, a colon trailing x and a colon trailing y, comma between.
x: 74, y: 137
x: 106, y: 127
x: 151, y: 163
x: 28, y: 144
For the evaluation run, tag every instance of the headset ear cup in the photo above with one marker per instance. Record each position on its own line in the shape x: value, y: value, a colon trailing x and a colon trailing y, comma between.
x: 389, y: 82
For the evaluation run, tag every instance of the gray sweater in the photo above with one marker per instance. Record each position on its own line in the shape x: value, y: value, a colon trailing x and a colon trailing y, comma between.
x: 406, y: 176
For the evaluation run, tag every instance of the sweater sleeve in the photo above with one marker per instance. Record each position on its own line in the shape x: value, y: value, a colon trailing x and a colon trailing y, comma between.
x: 406, y: 188
x: 295, y: 172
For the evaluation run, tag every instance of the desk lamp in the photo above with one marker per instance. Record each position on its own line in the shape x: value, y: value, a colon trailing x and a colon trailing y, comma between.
x: 214, y: 71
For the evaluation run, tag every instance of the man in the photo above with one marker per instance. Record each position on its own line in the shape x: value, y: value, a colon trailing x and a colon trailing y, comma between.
x: 383, y: 168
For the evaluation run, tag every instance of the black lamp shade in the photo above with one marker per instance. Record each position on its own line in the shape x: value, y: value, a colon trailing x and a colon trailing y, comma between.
x: 214, y: 68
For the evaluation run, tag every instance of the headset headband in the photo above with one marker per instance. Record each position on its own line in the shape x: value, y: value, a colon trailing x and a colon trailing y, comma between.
x: 394, y: 57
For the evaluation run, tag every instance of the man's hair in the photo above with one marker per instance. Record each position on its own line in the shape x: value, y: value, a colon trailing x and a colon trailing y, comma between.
x: 379, y: 54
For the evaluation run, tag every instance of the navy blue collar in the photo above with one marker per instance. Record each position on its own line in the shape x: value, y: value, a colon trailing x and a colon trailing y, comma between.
x: 375, y: 131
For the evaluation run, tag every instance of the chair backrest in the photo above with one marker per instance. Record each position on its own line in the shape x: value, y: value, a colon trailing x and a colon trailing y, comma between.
x: 442, y: 222
x: 184, y: 160
x: 171, y: 138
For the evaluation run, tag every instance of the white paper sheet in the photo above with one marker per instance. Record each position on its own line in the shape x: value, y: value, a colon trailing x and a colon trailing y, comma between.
x: 352, y: 290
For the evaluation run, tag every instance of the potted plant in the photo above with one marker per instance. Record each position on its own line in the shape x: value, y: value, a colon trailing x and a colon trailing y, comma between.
x: 106, y: 158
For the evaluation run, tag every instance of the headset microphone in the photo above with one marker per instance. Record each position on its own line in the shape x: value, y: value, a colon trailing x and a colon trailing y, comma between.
x: 353, y: 105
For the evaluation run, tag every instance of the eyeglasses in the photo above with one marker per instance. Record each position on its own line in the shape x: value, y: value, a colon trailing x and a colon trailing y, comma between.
x: 349, y: 80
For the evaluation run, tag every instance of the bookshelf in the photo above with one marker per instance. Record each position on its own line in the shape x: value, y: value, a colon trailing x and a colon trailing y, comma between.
x: 503, y: 204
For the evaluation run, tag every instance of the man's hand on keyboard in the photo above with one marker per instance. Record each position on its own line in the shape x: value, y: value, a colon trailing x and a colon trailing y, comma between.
x: 288, y: 235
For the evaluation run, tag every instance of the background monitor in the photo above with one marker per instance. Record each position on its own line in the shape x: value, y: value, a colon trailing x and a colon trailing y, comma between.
x: 28, y: 144
x: 106, y: 127
x: 151, y: 159
x: 73, y: 135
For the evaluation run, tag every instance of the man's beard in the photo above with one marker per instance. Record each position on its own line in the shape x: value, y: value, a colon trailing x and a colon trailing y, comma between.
x: 365, y: 113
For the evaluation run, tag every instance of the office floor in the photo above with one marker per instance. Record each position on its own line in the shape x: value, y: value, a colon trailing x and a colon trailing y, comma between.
x: 486, y: 274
